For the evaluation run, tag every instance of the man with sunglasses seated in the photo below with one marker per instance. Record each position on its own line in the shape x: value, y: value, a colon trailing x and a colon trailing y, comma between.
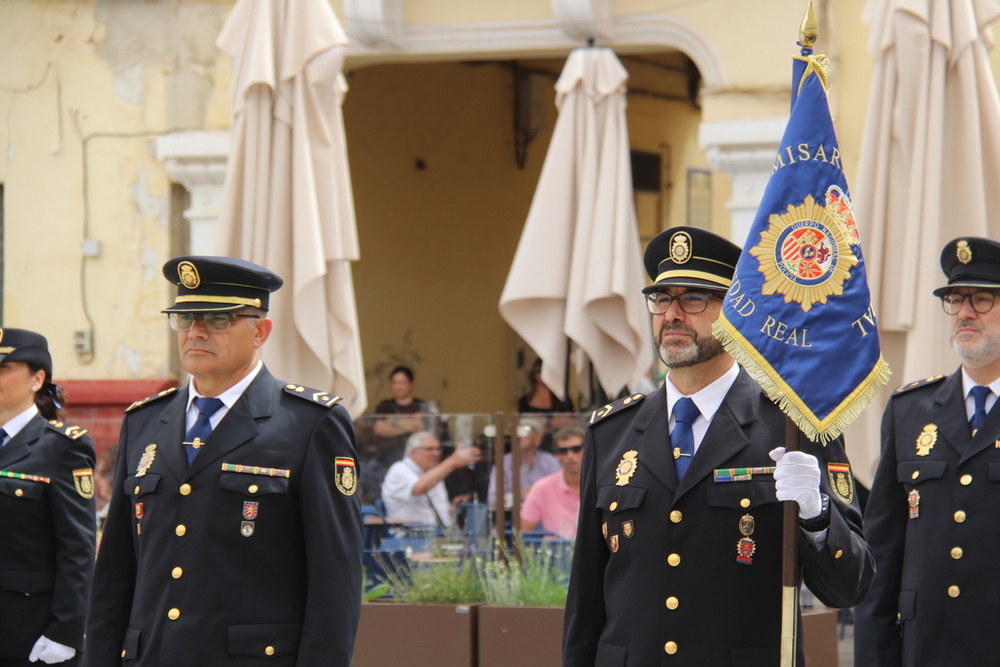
x: 554, y: 500
x: 932, y: 515
x: 234, y: 531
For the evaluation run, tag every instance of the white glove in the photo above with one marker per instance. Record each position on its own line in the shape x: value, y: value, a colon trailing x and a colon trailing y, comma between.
x: 796, y: 477
x: 50, y: 652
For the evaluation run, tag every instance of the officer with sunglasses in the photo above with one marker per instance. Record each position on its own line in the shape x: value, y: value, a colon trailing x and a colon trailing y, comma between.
x: 932, y: 515
x: 234, y: 531
x: 678, y: 549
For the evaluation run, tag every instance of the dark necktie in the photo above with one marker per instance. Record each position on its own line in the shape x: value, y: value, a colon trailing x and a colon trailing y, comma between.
x: 979, y: 394
x: 3, y: 437
x: 198, y: 434
x: 682, y: 438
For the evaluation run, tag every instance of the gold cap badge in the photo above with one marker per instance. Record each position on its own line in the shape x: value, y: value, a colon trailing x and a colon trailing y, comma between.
x: 680, y: 247
x: 963, y: 252
x: 188, y: 274
x: 927, y: 439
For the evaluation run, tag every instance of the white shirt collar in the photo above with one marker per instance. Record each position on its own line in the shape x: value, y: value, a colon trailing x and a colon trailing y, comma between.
x: 229, y: 396
x: 14, y: 426
x: 968, y: 383
x: 708, y: 399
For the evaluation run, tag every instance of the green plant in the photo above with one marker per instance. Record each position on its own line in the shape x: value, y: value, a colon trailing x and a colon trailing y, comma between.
x: 539, y: 580
x: 435, y: 583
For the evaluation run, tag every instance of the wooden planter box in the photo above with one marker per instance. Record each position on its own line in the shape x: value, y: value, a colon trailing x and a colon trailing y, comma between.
x: 527, y: 636
x: 395, y: 634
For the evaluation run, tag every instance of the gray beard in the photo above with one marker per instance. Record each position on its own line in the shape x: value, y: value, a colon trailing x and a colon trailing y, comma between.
x: 981, y: 353
x: 698, y: 351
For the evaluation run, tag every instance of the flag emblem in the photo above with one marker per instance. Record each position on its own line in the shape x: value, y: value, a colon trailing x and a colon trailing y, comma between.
x: 804, y: 255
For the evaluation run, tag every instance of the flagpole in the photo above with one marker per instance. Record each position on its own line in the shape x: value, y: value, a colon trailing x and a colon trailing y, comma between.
x: 808, y: 33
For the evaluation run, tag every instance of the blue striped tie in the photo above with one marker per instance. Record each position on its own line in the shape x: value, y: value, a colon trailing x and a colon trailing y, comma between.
x: 198, y: 434
x: 682, y: 438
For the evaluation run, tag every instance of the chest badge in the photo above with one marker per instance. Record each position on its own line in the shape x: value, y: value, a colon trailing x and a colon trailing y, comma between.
x: 746, y: 547
x: 250, y: 510
x: 628, y: 528
x: 246, y: 528
x: 614, y: 544
x: 927, y: 439
x: 626, y: 467
x: 147, y: 460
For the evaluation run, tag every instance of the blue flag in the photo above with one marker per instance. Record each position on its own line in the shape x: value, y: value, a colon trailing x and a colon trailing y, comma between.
x: 798, y: 315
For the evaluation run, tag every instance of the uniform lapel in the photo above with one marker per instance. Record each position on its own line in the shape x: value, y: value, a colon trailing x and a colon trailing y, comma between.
x: 239, y: 425
x: 987, y: 435
x: 172, y: 428
x: 653, y: 443
x: 953, y: 423
x: 19, y: 446
x: 726, y: 436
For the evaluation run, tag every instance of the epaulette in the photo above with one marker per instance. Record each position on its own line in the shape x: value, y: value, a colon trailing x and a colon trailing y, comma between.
x: 617, y: 406
x: 919, y: 383
x: 150, y: 399
x: 312, y: 395
x: 70, y: 431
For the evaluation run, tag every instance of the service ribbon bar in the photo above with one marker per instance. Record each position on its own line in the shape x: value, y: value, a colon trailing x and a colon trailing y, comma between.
x: 255, y: 470
x: 21, y: 475
x: 741, y: 474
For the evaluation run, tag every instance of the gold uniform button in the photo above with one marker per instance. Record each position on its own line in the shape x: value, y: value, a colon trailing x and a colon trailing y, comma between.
x: 185, y: 489
x: 916, y: 473
x: 137, y: 490
x: 954, y: 591
x: 957, y: 553
x: 19, y: 493
x: 840, y: 552
x: 673, y: 560
x: 959, y: 516
x: 180, y: 529
x: 745, y: 503
x: 269, y: 650
x: 174, y: 614
x: 676, y: 516
x: 177, y: 572
x: 289, y: 386
x: 672, y: 602
x: 965, y: 480
x: 613, y: 506
x: 253, y: 488
x: 123, y: 654
x: 670, y: 647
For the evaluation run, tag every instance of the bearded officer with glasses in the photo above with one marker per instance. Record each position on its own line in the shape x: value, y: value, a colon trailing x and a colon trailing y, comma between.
x: 234, y: 533
x: 932, y: 514
x: 678, y: 548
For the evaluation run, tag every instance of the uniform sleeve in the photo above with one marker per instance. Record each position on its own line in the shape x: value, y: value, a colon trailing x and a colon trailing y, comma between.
x: 334, y: 542
x: 114, y: 575
x: 877, y: 638
x: 74, y: 519
x: 585, y: 614
x: 841, y: 572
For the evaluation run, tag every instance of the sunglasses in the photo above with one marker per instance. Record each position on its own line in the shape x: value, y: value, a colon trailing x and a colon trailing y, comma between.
x: 576, y: 449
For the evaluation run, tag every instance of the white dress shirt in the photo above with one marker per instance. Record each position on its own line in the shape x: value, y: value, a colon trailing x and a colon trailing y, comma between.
x: 708, y: 401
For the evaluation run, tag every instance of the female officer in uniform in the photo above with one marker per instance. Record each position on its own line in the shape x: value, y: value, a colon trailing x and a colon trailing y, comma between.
x: 46, y: 511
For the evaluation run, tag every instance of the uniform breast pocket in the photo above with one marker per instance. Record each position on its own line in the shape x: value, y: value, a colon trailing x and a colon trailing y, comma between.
x: 741, y: 495
x: 619, y: 505
x: 138, y: 486
x: 25, y: 489
x: 253, y: 485
x: 917, y: 472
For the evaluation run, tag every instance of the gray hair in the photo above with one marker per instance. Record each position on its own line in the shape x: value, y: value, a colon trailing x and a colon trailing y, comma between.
x: 416, y: 438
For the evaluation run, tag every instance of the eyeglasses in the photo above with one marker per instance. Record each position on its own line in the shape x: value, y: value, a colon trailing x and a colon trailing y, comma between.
x: 691, y: 303
x: 576, y: 449
x: 214, y: 322
x: 981, y: 302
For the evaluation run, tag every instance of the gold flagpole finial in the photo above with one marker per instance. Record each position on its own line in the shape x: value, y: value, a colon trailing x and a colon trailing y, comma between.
x: 808, y: 31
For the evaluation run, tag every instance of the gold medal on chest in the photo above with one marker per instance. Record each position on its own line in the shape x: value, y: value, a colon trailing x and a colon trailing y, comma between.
x: 927, y: 439
x: 626, y: 467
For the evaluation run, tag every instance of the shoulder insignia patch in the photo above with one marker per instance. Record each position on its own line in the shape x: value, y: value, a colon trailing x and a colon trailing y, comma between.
x: 84, y: 481
x: 919, y: 383
x: 617, y: 406
x: 150, y: 399
x: 312, y: 395
x: 70, y: 431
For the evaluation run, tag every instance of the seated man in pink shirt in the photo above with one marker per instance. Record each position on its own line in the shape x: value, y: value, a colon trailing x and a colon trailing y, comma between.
x: 554, y: 500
